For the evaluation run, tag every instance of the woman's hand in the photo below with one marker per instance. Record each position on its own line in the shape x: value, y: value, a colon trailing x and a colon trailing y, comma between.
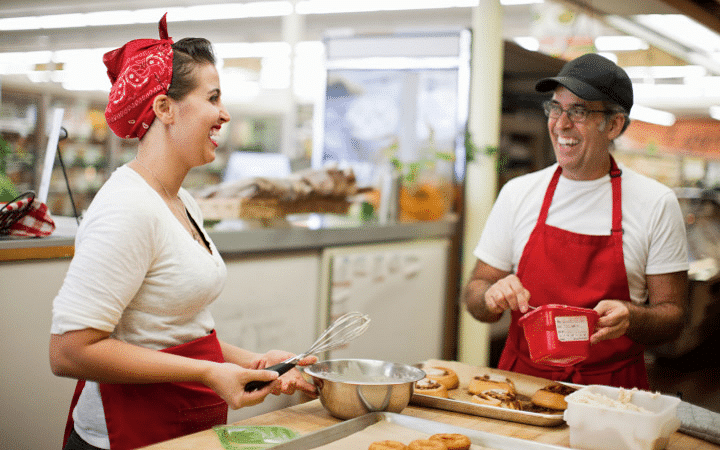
x: 291, y: 381
x: 228, y: 380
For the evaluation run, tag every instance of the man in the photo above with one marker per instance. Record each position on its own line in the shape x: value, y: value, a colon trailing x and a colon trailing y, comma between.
x: 585, y: 232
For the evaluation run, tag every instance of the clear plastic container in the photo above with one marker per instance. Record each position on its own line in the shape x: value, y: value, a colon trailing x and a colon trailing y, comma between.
x: 559, y: 335
x: 609, y: 427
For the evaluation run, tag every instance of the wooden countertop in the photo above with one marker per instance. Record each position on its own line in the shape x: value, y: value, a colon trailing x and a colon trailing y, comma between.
x: 311, y: 416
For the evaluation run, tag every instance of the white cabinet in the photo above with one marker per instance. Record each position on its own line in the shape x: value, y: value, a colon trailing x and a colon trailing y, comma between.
x: 33, y: 402
x: 401, y: 286
x: 269, y: 302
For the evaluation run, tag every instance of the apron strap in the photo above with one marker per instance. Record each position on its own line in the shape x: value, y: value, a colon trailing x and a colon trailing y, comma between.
x: 70, y: 424
x: 549, y: 193
x: 615, y: 180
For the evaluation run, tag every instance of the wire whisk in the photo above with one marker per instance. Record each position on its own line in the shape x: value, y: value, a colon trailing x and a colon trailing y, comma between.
x: 343, y: 330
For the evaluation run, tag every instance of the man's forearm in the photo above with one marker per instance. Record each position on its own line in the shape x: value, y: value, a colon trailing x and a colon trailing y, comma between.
x: 653, y: 325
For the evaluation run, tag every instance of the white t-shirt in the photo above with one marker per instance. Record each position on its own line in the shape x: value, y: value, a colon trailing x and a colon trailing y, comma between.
x: 654, y: 238
x: 138, y: 274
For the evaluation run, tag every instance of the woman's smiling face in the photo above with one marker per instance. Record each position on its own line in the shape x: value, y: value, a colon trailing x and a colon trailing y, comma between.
x: 581, y: 149
x: 200, y: 115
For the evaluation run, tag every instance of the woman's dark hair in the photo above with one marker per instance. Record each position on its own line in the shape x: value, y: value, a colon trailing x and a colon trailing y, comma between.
x: 188, y: 53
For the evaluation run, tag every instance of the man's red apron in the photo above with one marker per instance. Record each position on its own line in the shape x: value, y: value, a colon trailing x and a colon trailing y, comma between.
x: 561, y: 267
x: 138, y: 415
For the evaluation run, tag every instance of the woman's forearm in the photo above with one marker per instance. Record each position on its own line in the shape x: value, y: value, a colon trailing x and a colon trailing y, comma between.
x: 239, y: 356
x: 91, y: 355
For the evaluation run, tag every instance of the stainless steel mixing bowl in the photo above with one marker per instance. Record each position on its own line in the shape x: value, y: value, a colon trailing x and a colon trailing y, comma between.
x: 349, y: 388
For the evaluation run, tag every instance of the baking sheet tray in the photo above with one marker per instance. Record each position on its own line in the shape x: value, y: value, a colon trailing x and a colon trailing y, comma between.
x: 358, y: 433
x: 459, y: 400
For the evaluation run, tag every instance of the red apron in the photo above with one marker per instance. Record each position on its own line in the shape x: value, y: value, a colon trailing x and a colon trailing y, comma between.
x: 138, y: 415
x: 559, y: 266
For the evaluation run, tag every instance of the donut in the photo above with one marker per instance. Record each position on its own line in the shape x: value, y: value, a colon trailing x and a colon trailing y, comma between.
x: 426, y: 444
x: 453, y: 441
x: 387, y: 445
x: 552, y: 396
x: 443, y: 375
x: 427, y: 386
x: 483, y: 383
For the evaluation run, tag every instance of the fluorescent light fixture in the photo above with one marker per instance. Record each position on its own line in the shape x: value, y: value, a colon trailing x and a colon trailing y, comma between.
x: 520, y: 2
x: 619, y: 43
x: 39, y: 57
x: 715, y: 112
x: 609, y: 55
x: 252, y: 50
x: 660, y: 72
x: 149, y: 15
x: 528, y: 43
x: 39, y: 76
x: 660, y: 39
x: 682, y: 29
x: 347, y: 6
x: 652, y: 115
x: 20, y: 63
x: 309, y: 71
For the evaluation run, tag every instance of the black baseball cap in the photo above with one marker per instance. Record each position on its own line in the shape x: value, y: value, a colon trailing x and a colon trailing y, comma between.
x: 593, y: 77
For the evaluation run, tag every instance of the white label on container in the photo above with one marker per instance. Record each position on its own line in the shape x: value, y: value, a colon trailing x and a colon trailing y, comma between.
x: 572, y: 328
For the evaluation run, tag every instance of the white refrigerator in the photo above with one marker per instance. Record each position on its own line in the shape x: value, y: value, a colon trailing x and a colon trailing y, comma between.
x: 401, y: 286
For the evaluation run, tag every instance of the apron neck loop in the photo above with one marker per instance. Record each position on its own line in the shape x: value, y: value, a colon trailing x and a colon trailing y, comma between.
x: 615, y: 180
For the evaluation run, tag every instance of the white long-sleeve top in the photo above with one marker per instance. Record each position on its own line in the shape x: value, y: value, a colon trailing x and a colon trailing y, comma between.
x: 137, y: 274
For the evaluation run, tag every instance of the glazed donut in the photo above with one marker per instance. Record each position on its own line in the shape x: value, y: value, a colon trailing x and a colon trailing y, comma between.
x: 552, y: 396
x: 426, y: 444
x: 443, y: 375
x: 483, y: 383
x: 453, y: 441
x: 387, y: 445
x: 427, y: 386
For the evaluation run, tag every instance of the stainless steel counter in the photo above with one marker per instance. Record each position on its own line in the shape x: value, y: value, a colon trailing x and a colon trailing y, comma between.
x: 305, y: 232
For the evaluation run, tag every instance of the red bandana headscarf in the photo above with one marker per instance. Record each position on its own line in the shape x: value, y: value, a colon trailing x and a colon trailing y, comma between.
x: 138, y: 71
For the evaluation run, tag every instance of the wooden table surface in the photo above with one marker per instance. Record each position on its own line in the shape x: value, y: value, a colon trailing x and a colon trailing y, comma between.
x: 311, y: 416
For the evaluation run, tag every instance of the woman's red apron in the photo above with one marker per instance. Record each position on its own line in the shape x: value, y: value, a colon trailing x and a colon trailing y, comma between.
x: 138, y: 415
x: 561, y: 267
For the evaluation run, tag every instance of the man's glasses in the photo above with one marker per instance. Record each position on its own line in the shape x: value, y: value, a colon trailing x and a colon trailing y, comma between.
x: 576, y: 114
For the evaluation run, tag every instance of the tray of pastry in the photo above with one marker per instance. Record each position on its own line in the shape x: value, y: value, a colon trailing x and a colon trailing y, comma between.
x: 493, y: 393
x: 377, y: 427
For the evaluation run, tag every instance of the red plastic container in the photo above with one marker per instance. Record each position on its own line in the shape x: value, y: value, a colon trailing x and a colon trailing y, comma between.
x: 559, y: 335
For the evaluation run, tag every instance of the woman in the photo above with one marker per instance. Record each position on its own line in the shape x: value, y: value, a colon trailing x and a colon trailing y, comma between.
x: 132, y: 315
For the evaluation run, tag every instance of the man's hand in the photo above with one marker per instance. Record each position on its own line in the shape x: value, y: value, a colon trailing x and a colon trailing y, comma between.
x: 507, y: 293
x: 614, y: 320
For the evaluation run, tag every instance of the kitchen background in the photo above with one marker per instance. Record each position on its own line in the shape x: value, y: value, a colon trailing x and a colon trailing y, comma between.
x: 282, y: 62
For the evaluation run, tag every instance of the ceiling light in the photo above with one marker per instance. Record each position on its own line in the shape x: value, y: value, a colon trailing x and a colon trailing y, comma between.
x: 715, y: 112
x: 609, y: 55
x: 346, y: 6
x: 619, y: 43
x: 252, y: 50
x: 656, y: 35
x: 682, y: 29
x: 528, y: 43
x: 520, y: 2
x: 652, y: 115
x: 149, y: 15
x: 660, y: 72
